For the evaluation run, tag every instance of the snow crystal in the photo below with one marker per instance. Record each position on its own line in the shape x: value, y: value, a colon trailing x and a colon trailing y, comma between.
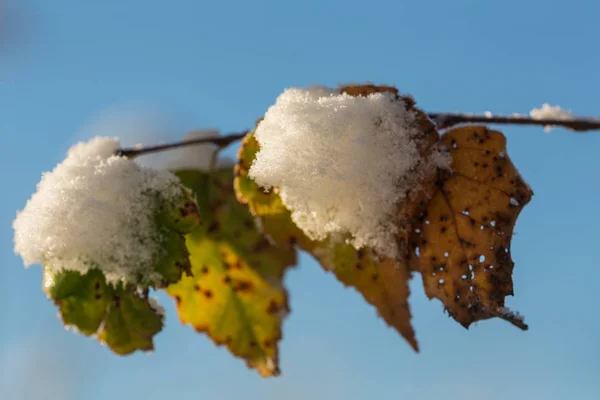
x: 506, y: 312
x: 153, y: 303
x: 342, y: 163
x: 95, y: 209
x: 550, y: 112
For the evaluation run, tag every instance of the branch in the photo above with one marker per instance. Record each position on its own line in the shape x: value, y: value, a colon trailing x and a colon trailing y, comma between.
x: 447, y: 120
x: 442, y: 120
x: 220, y: 141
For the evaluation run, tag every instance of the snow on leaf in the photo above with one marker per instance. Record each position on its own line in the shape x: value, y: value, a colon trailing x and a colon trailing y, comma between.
x: 321, y: 147
x: 236, y: 294
x: 464, y: 238
x: 117, y: 315
x: 275, y: 219
x: 97, y: 209
x: 383, y: 284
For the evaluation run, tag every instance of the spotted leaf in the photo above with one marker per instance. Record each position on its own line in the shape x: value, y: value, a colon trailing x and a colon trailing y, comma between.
x: 118, y: 316
x: 235, y: 294
x: 82, y: 299
x: 131, y: 323
x: 383, y: 284
x: 463, y: 243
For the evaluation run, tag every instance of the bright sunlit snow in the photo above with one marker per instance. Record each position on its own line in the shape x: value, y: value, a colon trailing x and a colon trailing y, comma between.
x: 341, y: 163
x: 550, y: 112
x: 95, y: 209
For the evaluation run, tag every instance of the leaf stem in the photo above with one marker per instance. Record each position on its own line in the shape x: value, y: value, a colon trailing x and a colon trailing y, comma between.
x: 447, y: 120
x: 220, y: 141
x: 442, y: 120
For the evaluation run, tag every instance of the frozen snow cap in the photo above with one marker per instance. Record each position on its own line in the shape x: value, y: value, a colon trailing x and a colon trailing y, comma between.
x: 341, y: 162
x: 95, y: 209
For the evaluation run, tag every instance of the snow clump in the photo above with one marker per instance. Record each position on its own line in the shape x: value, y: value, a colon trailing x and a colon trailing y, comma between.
x: 96, y: 209
x: 342, y: 163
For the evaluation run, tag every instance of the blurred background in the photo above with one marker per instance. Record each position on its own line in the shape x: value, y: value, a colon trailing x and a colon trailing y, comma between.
x: 148, y: 71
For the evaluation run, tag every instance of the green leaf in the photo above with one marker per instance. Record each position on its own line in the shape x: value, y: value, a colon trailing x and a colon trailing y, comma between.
x: 81, y: 299
x: 382, y: 282
x: 131, y: 323
x: 236, y: 294
x: 173, y: 221
x: 182, y: 216
x: 117, y: 316
x: 174, y: 258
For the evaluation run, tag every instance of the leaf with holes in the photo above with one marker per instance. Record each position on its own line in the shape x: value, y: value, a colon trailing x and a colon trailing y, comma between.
x: 117, y: 315
x: 383, y: 284
x: 236, y: 294
x: 466, y: 230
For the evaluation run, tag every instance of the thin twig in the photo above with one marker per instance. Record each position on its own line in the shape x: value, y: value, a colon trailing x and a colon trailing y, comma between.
x: 442, y: 120
x: 220, y: 141
x: 447, y: 120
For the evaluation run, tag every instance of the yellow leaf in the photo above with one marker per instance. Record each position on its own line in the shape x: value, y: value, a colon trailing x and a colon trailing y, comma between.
x: 466, y: 229
x: 235, y: 294
x: 383, y: 284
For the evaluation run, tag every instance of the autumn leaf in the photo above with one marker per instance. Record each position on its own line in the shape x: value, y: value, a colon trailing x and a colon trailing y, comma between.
x: 383, y: 284
x: 275, y: 218
x: 116, y: 314
x: 463, y: 241
x: 426, y: 137
x: 235, y: 294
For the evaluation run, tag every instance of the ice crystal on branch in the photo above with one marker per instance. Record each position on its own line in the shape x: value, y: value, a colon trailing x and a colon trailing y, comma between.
x: 100, y: 210
x: 342, y: 163
x: 550, y: 112
x: 546, y: 111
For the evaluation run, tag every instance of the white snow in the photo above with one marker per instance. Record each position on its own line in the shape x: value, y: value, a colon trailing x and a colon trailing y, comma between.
x: 341, y: 163
x: 505, y: 311
x: 153, y: 303
x: 551, y: 112
x: 95, y: 209
x: 514, y: 202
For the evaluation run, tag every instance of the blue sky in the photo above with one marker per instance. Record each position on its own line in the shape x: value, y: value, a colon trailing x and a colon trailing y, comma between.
x: 188, y: 64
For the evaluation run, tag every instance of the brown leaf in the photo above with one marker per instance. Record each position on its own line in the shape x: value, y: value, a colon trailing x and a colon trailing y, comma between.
x: 466, y: 229
x: 426, y: 137
x: 382, y: 282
